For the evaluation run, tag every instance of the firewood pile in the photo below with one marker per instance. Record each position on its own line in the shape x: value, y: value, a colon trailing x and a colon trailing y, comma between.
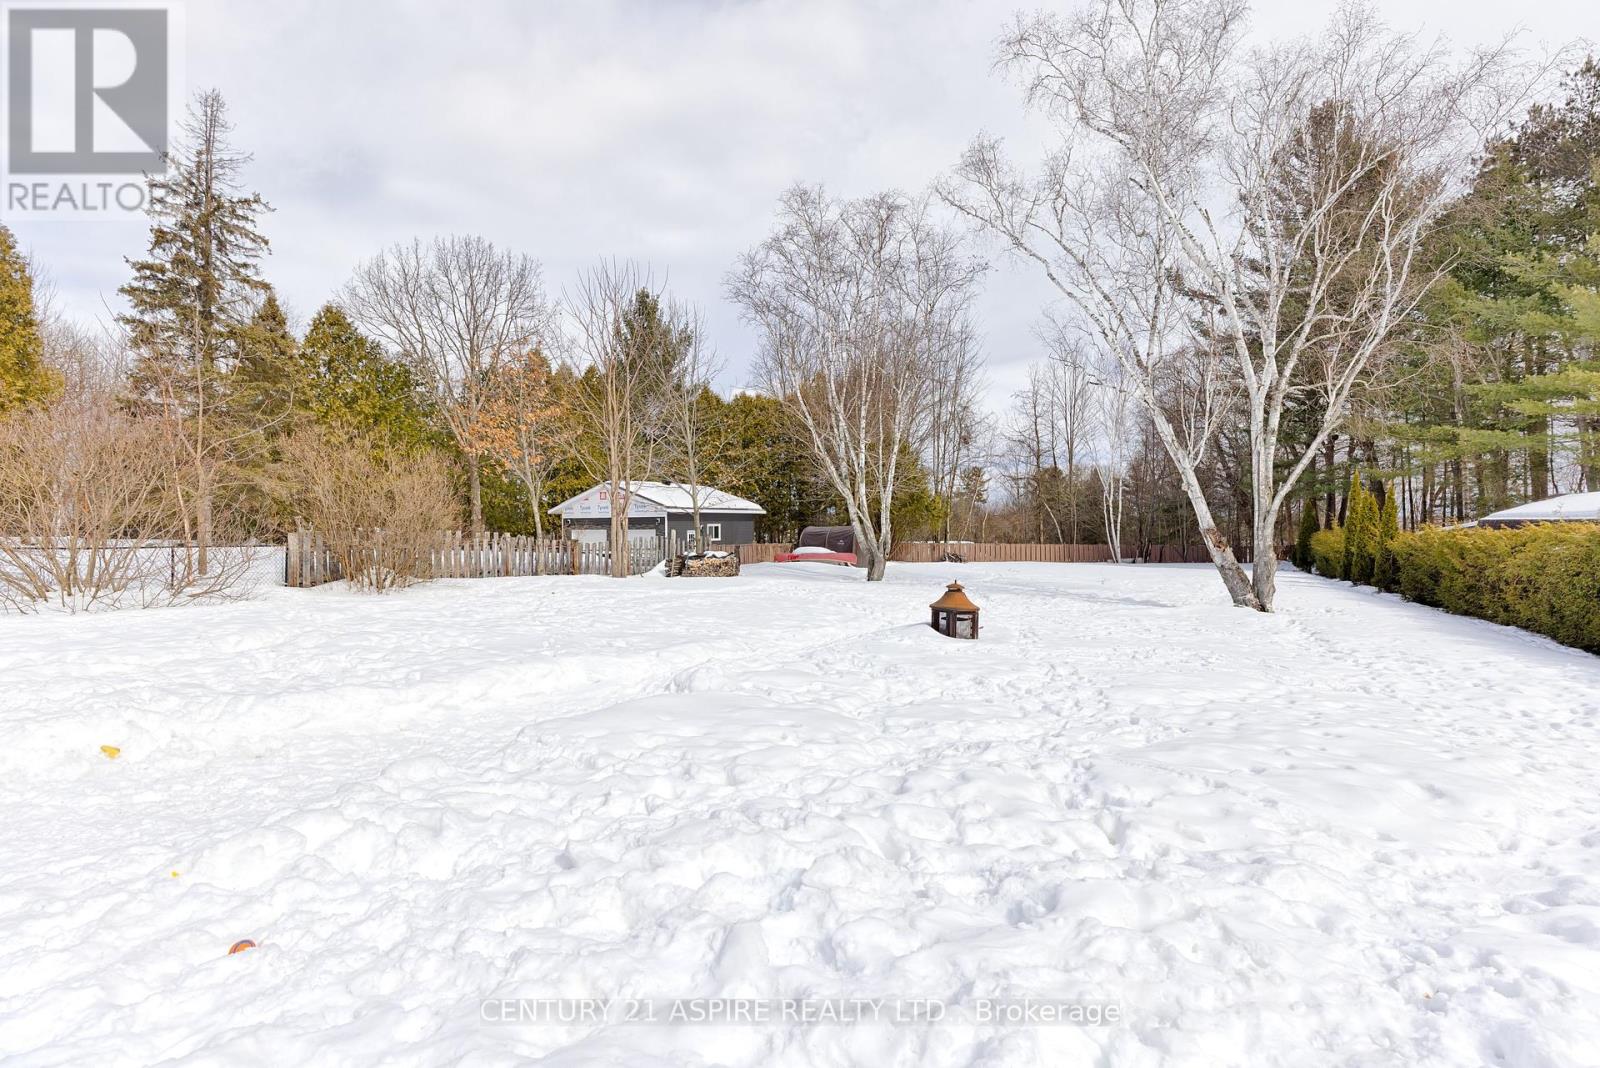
x: 704, y: 565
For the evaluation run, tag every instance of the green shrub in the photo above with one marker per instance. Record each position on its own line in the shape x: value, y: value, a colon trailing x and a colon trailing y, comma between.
x: 1544, y: 578
x: 1327, y: 552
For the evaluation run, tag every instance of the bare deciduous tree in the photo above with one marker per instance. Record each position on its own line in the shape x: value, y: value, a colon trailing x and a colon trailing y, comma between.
x: 620, y: 341
x: 455, y: 309
x: 1276, y: 203
x: 1116, y: 444
x: 859, y: 303
x: 522, y: 423
x: 381, y: 514
x: 90, y: 516
x: 691, y: 439
x: 956, y: 426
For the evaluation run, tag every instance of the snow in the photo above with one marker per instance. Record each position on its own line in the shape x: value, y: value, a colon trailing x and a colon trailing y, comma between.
x: 673, y: 497
x: 1572, y: 506
x: 1355, y: 832
x: 812, y: 550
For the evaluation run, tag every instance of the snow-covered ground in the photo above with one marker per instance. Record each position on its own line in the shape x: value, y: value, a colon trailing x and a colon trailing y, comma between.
x: 1355, y: 832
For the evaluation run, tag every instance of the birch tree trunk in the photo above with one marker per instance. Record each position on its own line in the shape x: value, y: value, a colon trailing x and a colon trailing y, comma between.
x: 1334, y: 161
x: 859, y: 305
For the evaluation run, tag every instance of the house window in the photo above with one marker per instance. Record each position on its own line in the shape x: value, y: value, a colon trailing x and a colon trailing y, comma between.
x: 713, y: 532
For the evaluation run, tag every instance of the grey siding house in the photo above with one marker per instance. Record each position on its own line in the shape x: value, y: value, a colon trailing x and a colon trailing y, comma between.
x: 659, y: 510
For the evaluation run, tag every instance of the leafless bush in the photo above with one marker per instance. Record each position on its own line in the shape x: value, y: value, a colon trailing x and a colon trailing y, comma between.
x: 381, y: 514
x: 89, y: 514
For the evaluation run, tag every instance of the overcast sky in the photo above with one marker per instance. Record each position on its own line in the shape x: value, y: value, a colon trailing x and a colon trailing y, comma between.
x: 655, y: 130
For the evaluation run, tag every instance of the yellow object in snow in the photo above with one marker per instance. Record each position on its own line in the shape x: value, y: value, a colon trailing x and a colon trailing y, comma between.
x: 111, y: 751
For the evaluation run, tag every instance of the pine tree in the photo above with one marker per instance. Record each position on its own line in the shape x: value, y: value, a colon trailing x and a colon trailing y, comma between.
x: 24, y: 378
x: 1308, y: 527
x: 193, y: 297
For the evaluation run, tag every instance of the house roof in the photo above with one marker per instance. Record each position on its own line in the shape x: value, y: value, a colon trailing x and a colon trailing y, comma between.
x: 1573, y: 507
x: 655, y: 499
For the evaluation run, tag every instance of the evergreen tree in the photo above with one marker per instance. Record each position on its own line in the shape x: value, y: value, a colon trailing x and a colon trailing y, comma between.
x: 1352, y: 524
x: 764, y: 461
x: 1500, y: 408
x: 1361, y: 534
x: 267, y: 381
x: 1359, y: 525
x: 194, y: 296
x: 1383, y: 572
x: 192, y: 300
x: 24, y: 379
x: 352, y: 386
x: 1308, y: 527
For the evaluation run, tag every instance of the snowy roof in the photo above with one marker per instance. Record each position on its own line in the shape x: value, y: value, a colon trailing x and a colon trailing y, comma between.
x: 656, y: 498
x: 1573, y: 507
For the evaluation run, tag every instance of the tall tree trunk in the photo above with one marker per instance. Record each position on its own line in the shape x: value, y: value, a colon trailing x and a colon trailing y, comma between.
x: 1330, y: 460
x: 1589, y: 452
x: 203, y: 521
x: 618, y: 535
x: 1264, y: 562
x: 475, y: 491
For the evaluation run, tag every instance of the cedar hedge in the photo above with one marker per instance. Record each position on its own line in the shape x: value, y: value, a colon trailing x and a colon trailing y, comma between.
x: 1327, y: 552
x: 1543, y: 577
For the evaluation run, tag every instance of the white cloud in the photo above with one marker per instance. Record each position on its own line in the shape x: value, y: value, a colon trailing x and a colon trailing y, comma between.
x: 662, y: 131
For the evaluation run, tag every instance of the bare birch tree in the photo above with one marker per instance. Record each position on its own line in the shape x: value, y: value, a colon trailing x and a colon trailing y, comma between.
x: 690, y: 438
x: 1069, y: 381
x: 1281, y: 197
x: 858, y: 304
x: 618, y: 343
x: 956, y: 425
x: 455, y: 309
x: 1114, y: 427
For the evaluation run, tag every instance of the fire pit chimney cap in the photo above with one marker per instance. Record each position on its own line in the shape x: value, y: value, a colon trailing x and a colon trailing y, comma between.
x: 955, y: 599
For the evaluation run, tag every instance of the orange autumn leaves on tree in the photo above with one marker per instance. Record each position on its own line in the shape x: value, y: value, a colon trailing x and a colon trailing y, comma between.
x: 519, y: 425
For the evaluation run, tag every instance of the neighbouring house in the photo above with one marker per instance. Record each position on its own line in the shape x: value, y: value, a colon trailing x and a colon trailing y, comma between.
x: 1571, y: 508
x: 659, y: 510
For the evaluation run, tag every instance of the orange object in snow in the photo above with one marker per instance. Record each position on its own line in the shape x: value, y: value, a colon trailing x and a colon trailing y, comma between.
x: 111, y: 751
x: 241, y: 945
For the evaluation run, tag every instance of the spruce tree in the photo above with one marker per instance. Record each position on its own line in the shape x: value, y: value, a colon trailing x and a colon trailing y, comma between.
x: 266, y: 381
x: 1308, y: 527
x: 193, y: 297
x: 24, y: 378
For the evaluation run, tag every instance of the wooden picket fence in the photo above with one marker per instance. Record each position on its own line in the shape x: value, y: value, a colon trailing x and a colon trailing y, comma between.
x: 309, y: 562
x: 994, y: 552
x: 760, y: 552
